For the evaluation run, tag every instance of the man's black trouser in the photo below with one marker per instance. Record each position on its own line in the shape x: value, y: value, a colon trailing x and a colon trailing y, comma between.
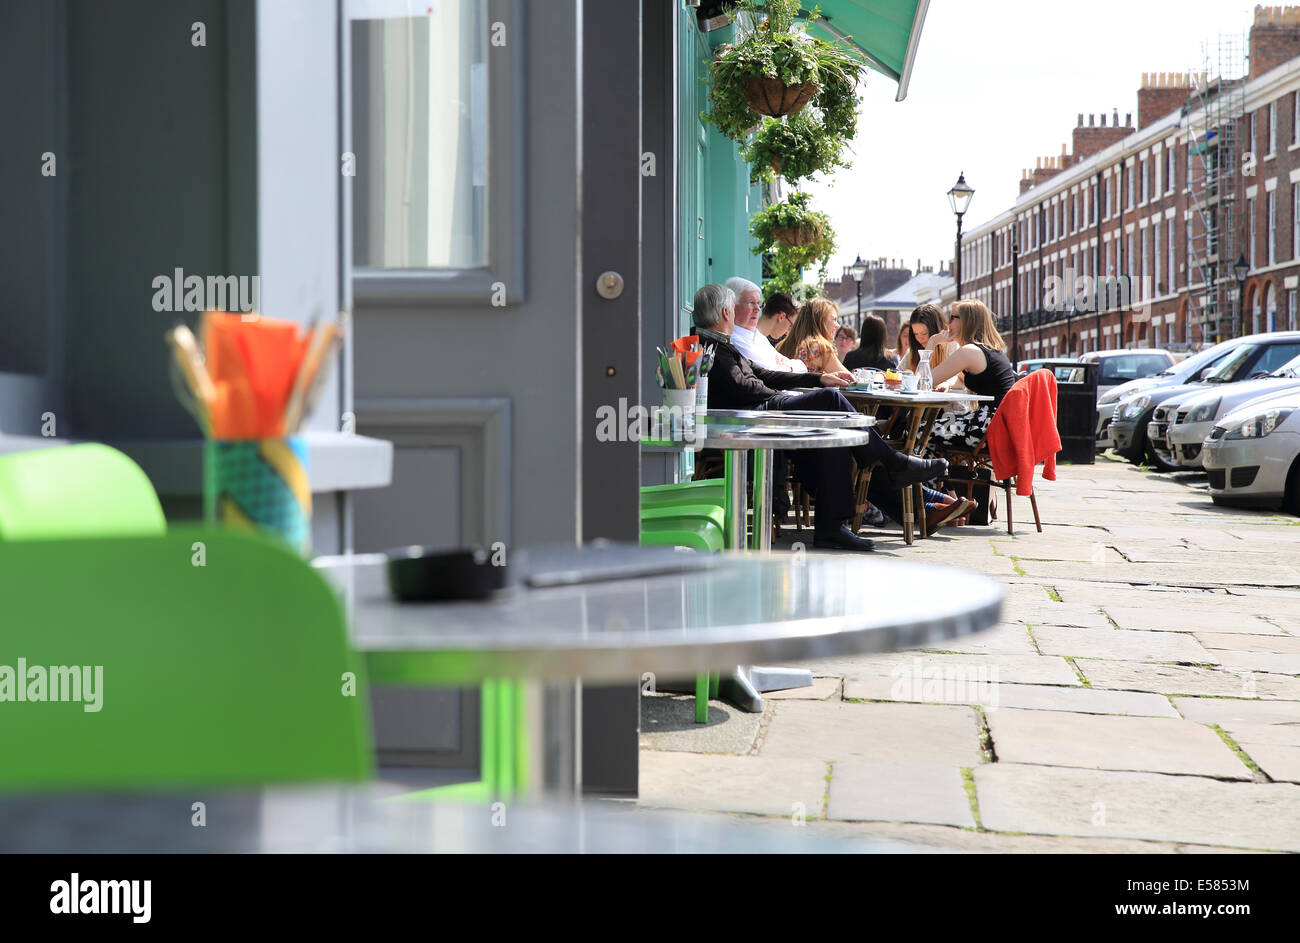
x: 828, y: 473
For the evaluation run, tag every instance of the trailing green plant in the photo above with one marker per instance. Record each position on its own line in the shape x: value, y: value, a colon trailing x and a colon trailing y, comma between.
x: 777, y: 49
x: 794, y: 148
x: 772, y: 228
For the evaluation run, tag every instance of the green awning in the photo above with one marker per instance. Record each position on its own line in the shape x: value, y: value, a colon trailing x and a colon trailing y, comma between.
x: 887, y: 32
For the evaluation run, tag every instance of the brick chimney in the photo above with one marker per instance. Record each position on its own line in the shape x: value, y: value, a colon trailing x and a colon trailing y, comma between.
x: 1097, y: 135
x: 1161, y: 93
x: 1274, y: 38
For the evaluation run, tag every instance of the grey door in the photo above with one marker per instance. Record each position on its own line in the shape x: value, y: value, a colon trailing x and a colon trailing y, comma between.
x: 473, y: 299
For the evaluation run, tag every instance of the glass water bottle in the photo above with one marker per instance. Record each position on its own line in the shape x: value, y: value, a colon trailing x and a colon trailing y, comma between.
x: 924, y: 378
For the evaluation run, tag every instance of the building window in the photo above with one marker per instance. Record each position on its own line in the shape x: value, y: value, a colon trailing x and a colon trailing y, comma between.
x: 1158, y: 164
x: 1295, y: 117
x: 1295, y: 220
x: 1291, y: 312
x: 1187, y: 253
x: 1173, y: 168
x: 1272, y: 128
x: 1250, y: 228
x: 1132, y: 186
x: 432, y: 211
x: 1272, y: 227
x: 1146, y: 180
x: 1250, y: 141
x: 1105, y: 198
x: 1173, y: 275
x: 1157, y: 256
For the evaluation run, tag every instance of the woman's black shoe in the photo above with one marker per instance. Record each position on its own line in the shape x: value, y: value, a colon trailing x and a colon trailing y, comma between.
x: 916, y: 470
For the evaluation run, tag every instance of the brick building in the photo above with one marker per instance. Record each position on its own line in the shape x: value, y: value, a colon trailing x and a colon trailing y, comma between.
x: 1128, y: 237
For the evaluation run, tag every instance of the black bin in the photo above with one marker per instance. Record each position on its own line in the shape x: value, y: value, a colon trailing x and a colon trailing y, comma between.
x: 1076, y: 409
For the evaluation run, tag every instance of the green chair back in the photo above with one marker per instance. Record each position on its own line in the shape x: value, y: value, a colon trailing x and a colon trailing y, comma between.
x: 214, y: 658
x: 75, y: 491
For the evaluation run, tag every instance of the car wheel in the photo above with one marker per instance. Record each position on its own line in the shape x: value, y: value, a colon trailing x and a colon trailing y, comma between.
x: 1291, y: 499
x: 1146, y: 455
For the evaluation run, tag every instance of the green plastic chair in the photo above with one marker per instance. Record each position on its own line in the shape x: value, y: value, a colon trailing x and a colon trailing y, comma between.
x: 223, y: 661
x: 76, y: 491
x: 699, y: 527
x: 705, y: 491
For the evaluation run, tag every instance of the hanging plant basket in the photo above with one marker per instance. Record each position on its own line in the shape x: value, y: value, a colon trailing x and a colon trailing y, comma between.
x: 774, y: 98
x: 801, y: 235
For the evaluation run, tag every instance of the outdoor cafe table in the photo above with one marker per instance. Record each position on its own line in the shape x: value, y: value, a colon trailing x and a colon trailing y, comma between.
x: 607, y: 613
x: 775, y: 430
x: 923, y: 410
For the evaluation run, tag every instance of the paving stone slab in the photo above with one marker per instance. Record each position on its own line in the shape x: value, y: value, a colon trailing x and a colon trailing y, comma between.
x: 896, y: 792
x: 755, y: 784
x: 1278, y: 663
x: 1059, y: 613
x: 1151, y: 806
x: 913, y: 668
x: 880, y: 733
x: 1158, y: 618
x: 1183, y: 679
x: 1249, y: 643
x: 1091, y: 741
x: 1287, y: 735
x: 1086, y: 592
x: 1123, y: 645
x: 1044, y: 697
x: 1005, y: 639
x: 668, y: 723
x: 1206, y: 574
x: 1280, y: 762
x: 1091, y: 552
x: 947, y: 839
x: 1230, y: 711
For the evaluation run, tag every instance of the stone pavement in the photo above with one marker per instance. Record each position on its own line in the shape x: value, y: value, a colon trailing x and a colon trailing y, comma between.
x: 1141, y: 694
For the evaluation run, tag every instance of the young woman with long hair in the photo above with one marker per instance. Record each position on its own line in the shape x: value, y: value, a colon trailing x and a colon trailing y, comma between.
x: 926, y: 322
x: 981, y: 360
x: 811, y: 339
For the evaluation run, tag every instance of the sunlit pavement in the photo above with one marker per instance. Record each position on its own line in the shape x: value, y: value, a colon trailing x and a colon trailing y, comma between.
x: 1141, y: 694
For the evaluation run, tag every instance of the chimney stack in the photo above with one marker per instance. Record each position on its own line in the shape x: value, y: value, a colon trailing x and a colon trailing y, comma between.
x: 1160, y: 94
x: 1274, y: 38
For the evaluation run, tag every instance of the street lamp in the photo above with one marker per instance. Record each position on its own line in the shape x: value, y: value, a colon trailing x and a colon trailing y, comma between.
x: 959, y: 199
x: 1240, y: 268
x: 1015, y: 290
x: 859, y: 271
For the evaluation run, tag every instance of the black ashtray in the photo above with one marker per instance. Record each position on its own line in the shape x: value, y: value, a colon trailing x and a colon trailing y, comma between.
x: 428, y: 574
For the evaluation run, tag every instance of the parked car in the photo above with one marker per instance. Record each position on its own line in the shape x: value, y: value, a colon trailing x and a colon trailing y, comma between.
x: 1117, y: 405
x: 1258, y: 357
x: 1194, y: 416
x: 1252, y: 455
x: 1121, y: 366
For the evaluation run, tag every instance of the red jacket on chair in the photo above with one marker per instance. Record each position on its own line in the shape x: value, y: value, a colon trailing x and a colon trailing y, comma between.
x: 1023, y: 431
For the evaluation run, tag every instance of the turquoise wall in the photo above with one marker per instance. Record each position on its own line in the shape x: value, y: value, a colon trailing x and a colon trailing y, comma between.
x: 716, y: 199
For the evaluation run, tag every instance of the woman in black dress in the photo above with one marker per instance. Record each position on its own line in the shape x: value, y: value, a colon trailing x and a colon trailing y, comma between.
x: 982, y: 361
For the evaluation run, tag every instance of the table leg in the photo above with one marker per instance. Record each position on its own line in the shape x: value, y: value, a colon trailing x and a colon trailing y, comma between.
x: 763, y: 499
x: 734, y: 473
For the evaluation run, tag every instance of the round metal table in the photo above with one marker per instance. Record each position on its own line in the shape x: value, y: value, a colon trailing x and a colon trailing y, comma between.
x: 822, y: 431
x: 712, y: 613
x: 366, y: 820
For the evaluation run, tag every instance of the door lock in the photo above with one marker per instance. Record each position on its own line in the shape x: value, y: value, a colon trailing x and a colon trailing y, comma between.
x: 609, y: 285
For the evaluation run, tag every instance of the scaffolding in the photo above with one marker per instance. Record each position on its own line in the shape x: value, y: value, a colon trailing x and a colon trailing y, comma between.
x: 1216, y: 132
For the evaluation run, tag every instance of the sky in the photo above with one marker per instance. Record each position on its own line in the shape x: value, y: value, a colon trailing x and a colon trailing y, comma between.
x: 998, y: 83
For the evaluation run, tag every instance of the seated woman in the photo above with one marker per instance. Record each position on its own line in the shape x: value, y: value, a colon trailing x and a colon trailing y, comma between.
x: 927, y: 322
x: 810, y: 339
x: 981, y: 360
x: 870, y: 351
x: 846, y: 341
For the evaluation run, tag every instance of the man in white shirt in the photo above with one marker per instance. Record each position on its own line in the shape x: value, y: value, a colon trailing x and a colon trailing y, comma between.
x: 746, y: 336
